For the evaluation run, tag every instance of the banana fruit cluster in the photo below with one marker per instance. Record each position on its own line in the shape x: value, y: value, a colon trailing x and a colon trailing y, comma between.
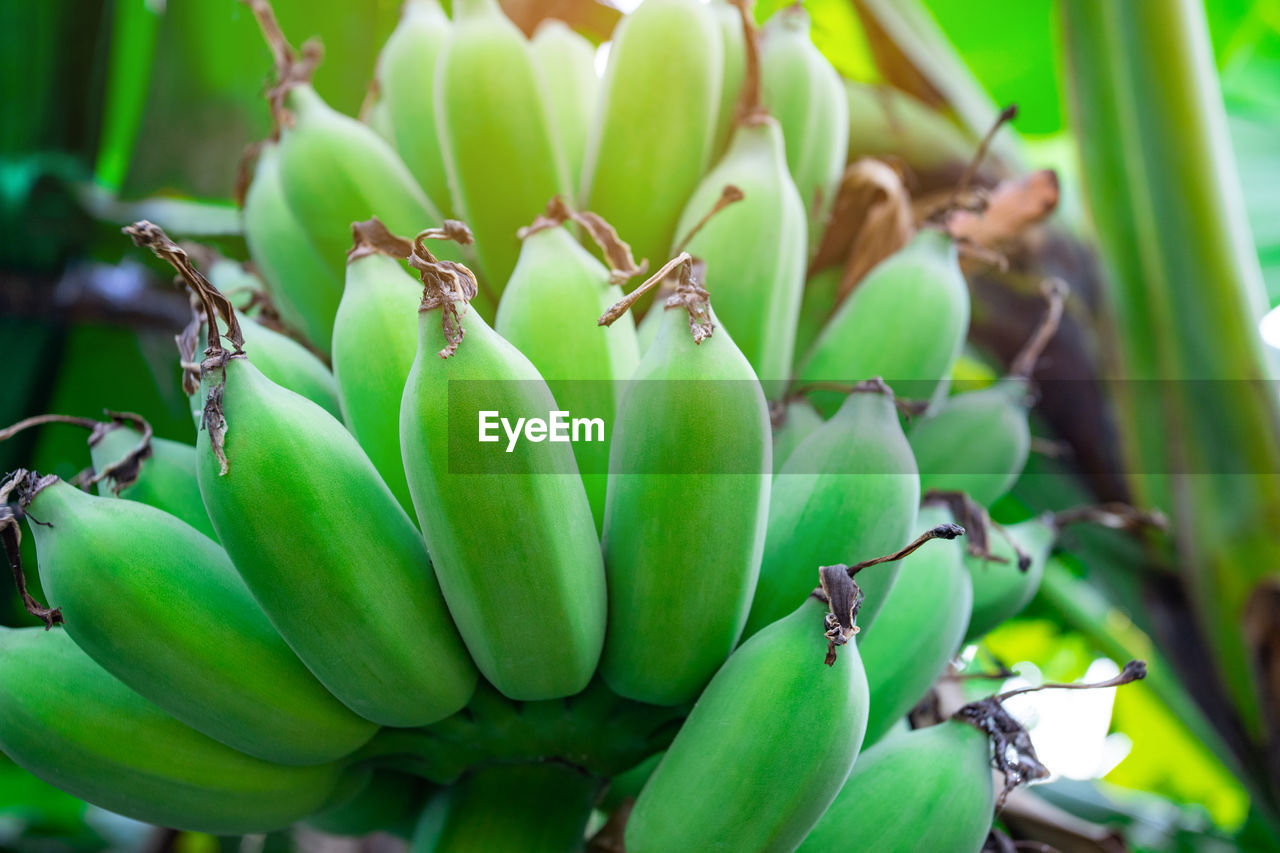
x: 337, y: 606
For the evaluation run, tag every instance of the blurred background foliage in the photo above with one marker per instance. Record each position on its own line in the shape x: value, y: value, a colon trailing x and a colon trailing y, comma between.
x: 114, y: 110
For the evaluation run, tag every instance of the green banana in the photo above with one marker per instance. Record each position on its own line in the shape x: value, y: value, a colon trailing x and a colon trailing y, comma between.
x: 821, y: 291
x: 925, y: 791
x: 548, y: 312
x: 792, y: 424
x: 1005, y: 581
x: 327, y: 552
x: 755, y: 250
x: 764, y: 751
x: 653, y: 134
x: 525, y: 584
x: 406, y: 92
x: 496, y: 134
x: 288, y: 363
x: 733, y: 71
x: 887, y: 122
x: 333, y: 169
x: 304, y: 287
x: 679, y: 480
x: 511, y: 808
x: 567, y: 63
x: 129, y: 462
x: 932, y: 789
x: 387, y: 802
x: 161, y: 607
x: 978, y: 442
x: 850, y: 489
x: 69, y: 722
x: 805, y: 94
x: 920, y: 627
x: 375, y: 339
x: 165, y: 478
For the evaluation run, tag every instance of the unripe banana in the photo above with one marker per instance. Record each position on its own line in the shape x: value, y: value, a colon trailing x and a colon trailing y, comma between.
x: 161, y: 607
x: 131, y: 463
x: 567, y: 63
x: 733, y: 71
x: 328, y: 553
x: 850, y: 490
x: 69, y: 722
x: 512, y: 808
x: 925, y: 791
x: 887, y: 122
x: 821, y: 291
x: 906, y: 321
x: 388, y: 802
x: 655, y: 128
x: 805, y: 94
x: 291, y: 365
x: 406, y: 96
x: 375, y: 339
x: 920, y: 627
x: 1004, y: 585
x: 164, y: 478
x: 304, y: 286
x: 764, y: 751
x: 548, y: 312
x: 680, y: 479
x: 333, y: 169
x: 525, y: 584
x: 932, y: 789
x: 754, y: 250
x: 796, y: 422
x: 496, y: 135
x: 978, y: 442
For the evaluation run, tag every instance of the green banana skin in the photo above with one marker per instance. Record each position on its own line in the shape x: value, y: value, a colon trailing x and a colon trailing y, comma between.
x: 733, y: 70
x: 526, y: 584
x: 336, y: 564
x: 375, y: 339
x: 976, y: 442
x: 765, y: 750
x: 920, y: 627
x: 303, y: 287
x: 548, y: 312
x: 69, y: 722
x: 923, y: 791
x: 754, y: 250
x: 816, y: 307
x: 849, y: 492
x: 336, y: 171
x: 673, y: 618
x: 906, y: 321
x: 1001, y: 590
x: 161, y: 607
x: 406, y: 89
x: 658, y: 107
x: 566, y: 62
x: 512, y: 808
x: 805, y: 94
x: 799, y: 420
x: 166, y: 478
x: 387, y: 802
x: 496, y: 135
x: 886, y: 121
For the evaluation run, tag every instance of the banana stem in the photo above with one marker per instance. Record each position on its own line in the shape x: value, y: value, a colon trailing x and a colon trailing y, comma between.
x: 27, y: 484
x: 942, y: 531
x: 750, y: 110
x: 1024, y: 364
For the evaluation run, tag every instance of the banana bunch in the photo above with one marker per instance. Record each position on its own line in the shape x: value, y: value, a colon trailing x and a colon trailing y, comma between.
x: 464, y: 550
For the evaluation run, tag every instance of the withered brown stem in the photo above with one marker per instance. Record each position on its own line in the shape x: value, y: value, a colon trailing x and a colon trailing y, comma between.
x: 1114, y: 515
x: 445, y: 283
x: 617, y: 253
x: 1134, y: 670
x: 1008, y: 114
x: 1024, y: 364
x: 729, y: 195
x: 941, y: 531
x: 749, y: 108
x: 27, y: 484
